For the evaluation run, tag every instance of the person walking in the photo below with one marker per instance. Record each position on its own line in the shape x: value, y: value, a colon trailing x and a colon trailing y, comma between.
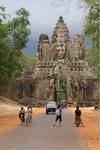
x: 58, y: 116
x: 28, y: 115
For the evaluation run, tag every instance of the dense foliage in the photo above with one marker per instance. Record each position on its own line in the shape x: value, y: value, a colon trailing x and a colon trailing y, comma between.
x: 13, y: 38
x: 92, y: 32
x: 28, y: 61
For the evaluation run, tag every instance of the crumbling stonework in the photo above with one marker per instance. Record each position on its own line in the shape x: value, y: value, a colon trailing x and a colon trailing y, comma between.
x: 65, y: 55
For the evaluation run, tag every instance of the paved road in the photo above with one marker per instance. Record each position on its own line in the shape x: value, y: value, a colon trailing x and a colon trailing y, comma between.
x: 41, y: 135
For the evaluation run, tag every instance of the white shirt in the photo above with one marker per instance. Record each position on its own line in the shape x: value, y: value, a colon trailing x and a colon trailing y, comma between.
x: 58, y: 112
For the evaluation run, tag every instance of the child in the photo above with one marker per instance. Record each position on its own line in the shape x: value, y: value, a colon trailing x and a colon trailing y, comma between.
x: 22, y: 115
x: 58, y: 115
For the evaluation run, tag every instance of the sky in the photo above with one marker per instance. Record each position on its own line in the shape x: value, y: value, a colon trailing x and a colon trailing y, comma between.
x: 44, y: 15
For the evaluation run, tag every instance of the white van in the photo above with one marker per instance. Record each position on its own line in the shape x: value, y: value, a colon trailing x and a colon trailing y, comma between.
x: 51, y: 106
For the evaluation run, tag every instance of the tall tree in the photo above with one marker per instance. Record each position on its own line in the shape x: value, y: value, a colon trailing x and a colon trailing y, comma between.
x: 92, y: 32
x: 13, y: 38
x: 20, y: 28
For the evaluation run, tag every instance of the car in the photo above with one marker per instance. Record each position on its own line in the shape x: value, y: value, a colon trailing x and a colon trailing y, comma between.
x: 51, y: 107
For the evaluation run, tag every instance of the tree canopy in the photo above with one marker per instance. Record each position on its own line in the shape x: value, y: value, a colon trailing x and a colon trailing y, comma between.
x: 13, y: 38
x: 91, y: 31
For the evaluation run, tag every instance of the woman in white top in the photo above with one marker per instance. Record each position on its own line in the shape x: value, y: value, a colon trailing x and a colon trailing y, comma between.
x: 28, y: 116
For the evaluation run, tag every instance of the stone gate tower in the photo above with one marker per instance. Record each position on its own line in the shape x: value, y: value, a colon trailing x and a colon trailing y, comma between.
x: 50, y: 54
x: 62, y: 54
x: 60, y: 39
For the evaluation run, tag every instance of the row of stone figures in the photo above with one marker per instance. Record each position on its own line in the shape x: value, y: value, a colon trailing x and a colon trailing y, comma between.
x: 62, y: 55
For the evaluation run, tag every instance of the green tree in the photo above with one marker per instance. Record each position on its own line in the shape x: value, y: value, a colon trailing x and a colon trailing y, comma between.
x: 92, y: 32
x: 28, y: 61
x: 13, y: 38
x: 60, y: 84
x: 20, y: 28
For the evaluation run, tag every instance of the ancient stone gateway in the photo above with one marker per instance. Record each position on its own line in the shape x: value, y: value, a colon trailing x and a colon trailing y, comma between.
x: 62, y: 55
x: 66, y: 56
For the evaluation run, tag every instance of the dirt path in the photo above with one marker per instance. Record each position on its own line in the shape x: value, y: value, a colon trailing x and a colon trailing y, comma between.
x: 9, y: 118
x: 91, y: 131
x: 42, y: 135
x: 90, y: 118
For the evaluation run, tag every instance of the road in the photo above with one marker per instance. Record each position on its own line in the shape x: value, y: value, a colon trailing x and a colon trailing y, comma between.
x: 42, y: 135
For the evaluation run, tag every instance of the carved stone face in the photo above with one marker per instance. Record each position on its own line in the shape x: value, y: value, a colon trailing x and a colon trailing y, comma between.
x: 60, y: 39
x: 43, y: 38
x: 60, y: 50
x: 76, y: 48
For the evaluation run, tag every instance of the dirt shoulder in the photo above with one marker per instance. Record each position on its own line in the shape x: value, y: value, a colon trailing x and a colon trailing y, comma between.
x: 91, y: 131
x: 9, y: 114
x: 10, y: 120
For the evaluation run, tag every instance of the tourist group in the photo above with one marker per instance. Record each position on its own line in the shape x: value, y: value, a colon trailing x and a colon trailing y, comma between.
x: 25, y: 115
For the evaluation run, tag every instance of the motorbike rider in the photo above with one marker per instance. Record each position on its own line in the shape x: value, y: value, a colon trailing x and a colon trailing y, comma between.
x: 78, y: 116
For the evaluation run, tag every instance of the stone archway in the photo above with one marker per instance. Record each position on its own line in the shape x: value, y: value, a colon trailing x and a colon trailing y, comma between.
x: 60, y: 92
x: 60, y: 84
